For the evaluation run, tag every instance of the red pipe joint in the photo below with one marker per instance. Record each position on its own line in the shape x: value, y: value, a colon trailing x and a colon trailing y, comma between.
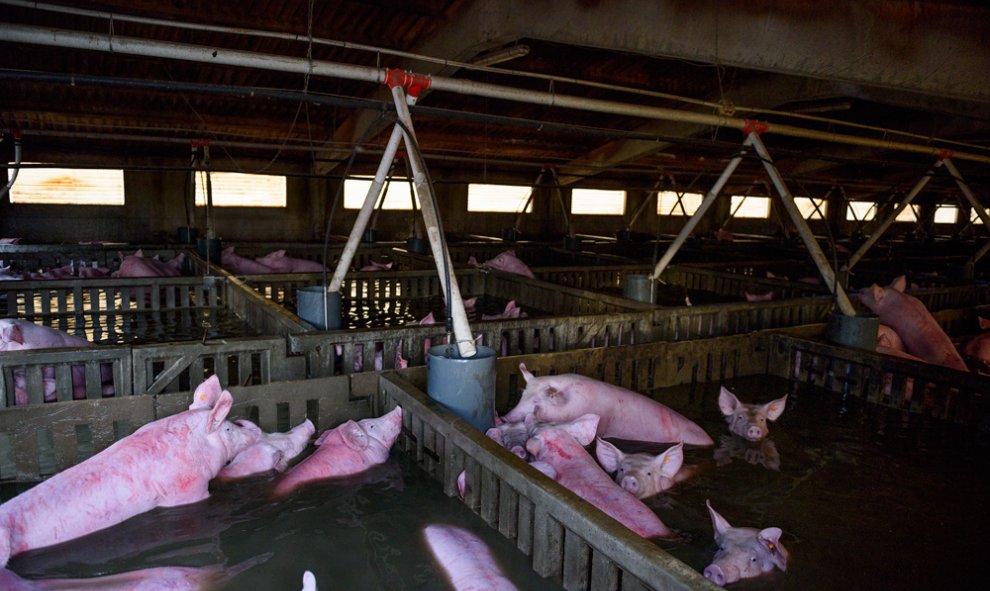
x: 414, y: 84
x: 754, y: 126
x: 945, y: 154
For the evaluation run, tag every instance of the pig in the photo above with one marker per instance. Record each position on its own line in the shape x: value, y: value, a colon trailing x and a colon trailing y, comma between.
x: 511, y: 311
x: 93, y: 272
x: 7, y: 275
x: 10, y: 240
x: 172, y: 578
x: 239, y: 265
x: 164, y: 463
x: 561, y: 447
x: 53, y: 273
x: 642, y: 474
x: 506, y: 261
x: 743, y: 552
x: 749, y: 421
x: 22, y: 335
x: 976, y: 352
x: 624, y: 414
x: 351, y: 448
x: 278, y: 262
x: 376, y: 266
x: 513, y: 435
x: 465, y: 559
x: 273, y: 451
x: 888, y: 338
x: 922, y: 335
x: 138, y: 265
x: 758, y: 297
x: 309, y: 582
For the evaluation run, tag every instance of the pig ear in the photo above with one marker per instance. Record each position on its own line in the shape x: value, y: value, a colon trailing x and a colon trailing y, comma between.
x: 139, y: 253
x: 671, y: 460
x: 206, y: 394
x: 583, y: 428
x: 608, y: 455
x: 718, y: 522
x: 984, y: 323
x: 279, y: 253
x: 898, y: 284
x: 354, y: 436
x: 727, y: 401
x: 775, y: 408
x: 525, y: 372
x: 876, y: 292
x: 545, y: 468
x: 219, y: 412
x: 769, y: 538
x: 12, y: 334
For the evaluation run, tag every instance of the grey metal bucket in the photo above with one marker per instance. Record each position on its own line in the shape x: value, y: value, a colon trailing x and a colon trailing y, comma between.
x: 416, y: 245
x: 572, y: 243
x: 465, y: 385
x: 209, y: 248
x: 309, y: 307
x: 859, y: 331
x: 187, y: 234
x: 640, y: 288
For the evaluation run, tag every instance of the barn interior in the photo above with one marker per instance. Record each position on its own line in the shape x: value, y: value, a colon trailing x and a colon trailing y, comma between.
x: 752, y: 166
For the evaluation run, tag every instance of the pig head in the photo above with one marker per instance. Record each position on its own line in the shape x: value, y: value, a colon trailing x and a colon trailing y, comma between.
x: 165, y: 463
x: 743, y: 552
x: 351, y: 448
x: 642, y: 474
x: 749, y: 421
x: 560, y: 448
x: 273, y: 451
x: 624, y: 414
x: 921, y: 333
x: 506, y: 261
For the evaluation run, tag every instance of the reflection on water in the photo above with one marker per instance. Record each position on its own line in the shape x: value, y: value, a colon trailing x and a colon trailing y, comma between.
x: 360, y: 533
x: 868, y: 497
x: 148, y: 327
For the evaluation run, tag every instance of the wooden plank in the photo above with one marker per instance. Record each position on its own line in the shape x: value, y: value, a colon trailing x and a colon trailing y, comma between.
x: 577, y: 563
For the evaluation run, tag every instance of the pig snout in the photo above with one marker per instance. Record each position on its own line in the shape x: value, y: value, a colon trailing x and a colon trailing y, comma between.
x: 721, y: 576
x: 754, y: 433
x: 631, y: 484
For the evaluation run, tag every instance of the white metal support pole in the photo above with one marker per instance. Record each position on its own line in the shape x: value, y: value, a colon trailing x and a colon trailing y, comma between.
x: 693, y: 221
x: 817, y: 256
x: 366, y: 210
x: 973, y: 202
x: 879, y: 231
x: 445, y: 267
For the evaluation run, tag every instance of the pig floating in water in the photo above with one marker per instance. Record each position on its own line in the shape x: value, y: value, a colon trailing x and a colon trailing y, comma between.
x: 165, y: 463
x: 642, y: 474
x: 749, y: 421
x: 239, y: 265
x: 624, y: 414
x: 349, y: 449
x: 170, y: 578
x: 22, y: 335
x: 743, y: 552
x: 506, y: 261
x: 309, y: 582
x: 273, y: 451
x: 466, y: 559
x: 922, y: 335
x: 278, y: 262
x: 561, y: 448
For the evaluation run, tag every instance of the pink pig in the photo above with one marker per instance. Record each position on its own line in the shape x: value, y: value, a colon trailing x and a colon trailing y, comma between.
x: 758, y: 297
x: 165, y: 463
x: 921, y: 333
x: 138, y: 265
x: 561, y: 448
x: 279, y: 263
x: 749, y: 421
x: 512, y: 310
x: 624, y: 414
x: 469, y: 564
x: 351, y: 448
x: 163, y: 578
x: 273, y: 451
x: 239, y: 265
x: 506, y: 261
x: 376, y: 266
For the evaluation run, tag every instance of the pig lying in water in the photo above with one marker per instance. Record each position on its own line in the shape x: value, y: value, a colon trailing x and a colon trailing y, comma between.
x: 642, y: 474
x: 749, y: 421
x: 272, y: 451
x: 921, y: 333
x: 624, y: 414
x: 743, y: 552
x: 165, y: 463
x: 351, y: 448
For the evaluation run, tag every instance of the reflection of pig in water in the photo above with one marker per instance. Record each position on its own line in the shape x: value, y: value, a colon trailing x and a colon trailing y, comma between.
x: 743, y: 552
x: 466, y: 559
x: 177, y: 578
x: 642, y: 474
x: 763, y: 452
x: 749, y: 420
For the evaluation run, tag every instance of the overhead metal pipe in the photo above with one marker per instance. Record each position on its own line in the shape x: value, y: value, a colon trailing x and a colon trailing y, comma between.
x: 17, y: 33
x: 973, y: 202
x: 879, y: 231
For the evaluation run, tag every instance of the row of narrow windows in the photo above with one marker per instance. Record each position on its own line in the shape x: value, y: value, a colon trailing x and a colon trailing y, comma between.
x: 61, y: 186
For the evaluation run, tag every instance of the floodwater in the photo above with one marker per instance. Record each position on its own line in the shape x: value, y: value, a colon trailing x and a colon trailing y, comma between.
x: 867, y: 497
x: 150, y: 327
x: 358, y: 533
x: 400, y: 312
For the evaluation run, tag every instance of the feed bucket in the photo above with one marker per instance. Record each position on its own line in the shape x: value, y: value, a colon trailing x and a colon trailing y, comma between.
x: 309, y: 307
x: 465, y: 385
x: 640, y: 288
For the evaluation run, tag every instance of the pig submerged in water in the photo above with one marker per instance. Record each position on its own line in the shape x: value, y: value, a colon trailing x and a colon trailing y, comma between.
x: 272, y: 451
x: 165, y: 463
x: 624, y: 414
x: 749, y: 421
x: 642, y: 474
x: 349, y: 449
x: 743, y: 552
x: 921, y: 333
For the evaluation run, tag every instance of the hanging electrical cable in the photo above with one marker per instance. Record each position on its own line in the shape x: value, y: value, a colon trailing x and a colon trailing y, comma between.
x: 16, y: 134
